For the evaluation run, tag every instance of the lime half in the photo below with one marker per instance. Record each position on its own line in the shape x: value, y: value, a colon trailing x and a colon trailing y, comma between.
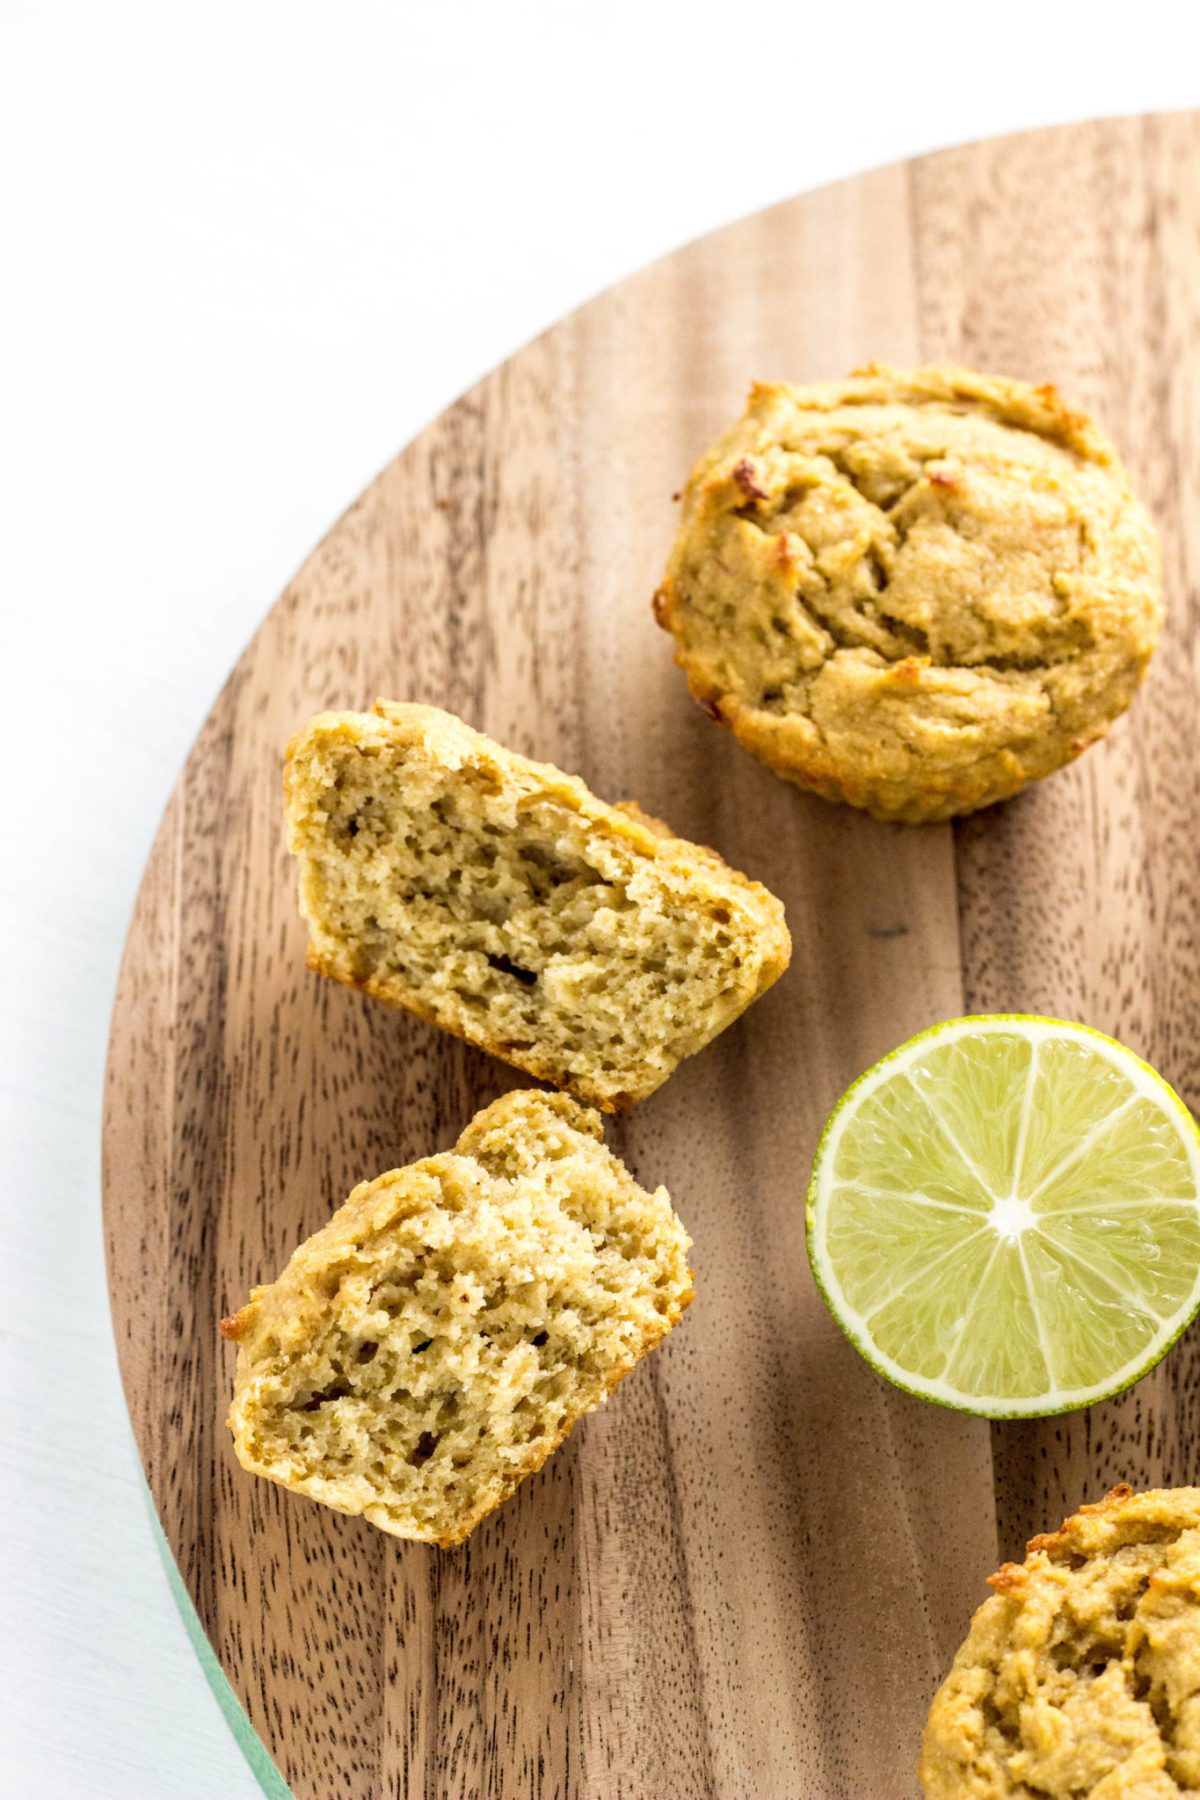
x: 1004, y: 1216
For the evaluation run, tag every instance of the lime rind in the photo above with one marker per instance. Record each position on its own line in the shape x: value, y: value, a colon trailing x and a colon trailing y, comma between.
x: 992, y: 1355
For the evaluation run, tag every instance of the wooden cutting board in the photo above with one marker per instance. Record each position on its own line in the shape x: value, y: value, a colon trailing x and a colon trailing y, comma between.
x: 748, y: 1573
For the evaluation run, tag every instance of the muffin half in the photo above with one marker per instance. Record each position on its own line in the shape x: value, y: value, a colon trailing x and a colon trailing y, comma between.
x: 500, y: 899
x: 439, y: 1338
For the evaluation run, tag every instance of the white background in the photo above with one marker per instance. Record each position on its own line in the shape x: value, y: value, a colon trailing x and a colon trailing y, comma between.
x: 249, y: 249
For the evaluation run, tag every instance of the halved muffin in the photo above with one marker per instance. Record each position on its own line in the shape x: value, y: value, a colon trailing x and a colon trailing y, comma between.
x: 442, y: 1334
x: 499, y: 898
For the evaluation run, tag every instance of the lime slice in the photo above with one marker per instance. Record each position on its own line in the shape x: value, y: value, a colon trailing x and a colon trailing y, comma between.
x: 1004, y: 1216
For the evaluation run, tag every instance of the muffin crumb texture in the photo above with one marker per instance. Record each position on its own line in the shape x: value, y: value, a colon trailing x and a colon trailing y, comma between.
x: 913, y: 591
x: 500, y: 899
x: 1080, y: 1679
x: 440, y: 1337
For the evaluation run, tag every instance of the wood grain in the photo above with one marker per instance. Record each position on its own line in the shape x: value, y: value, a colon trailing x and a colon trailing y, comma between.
x: 1079, y: 898
x: 748, y: 1573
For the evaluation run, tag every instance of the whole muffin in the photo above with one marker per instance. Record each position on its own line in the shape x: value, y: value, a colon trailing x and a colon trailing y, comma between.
x: 1080, y: 1680
x: 914, y: 591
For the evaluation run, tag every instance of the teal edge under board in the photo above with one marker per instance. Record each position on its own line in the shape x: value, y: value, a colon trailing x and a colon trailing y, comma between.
x: 250, y: 1745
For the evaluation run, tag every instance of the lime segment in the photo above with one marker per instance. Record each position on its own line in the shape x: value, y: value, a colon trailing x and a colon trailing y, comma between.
x: 1004, y: 1216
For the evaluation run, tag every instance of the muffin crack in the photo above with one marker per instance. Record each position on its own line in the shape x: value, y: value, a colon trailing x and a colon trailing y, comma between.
x: 885, y: 499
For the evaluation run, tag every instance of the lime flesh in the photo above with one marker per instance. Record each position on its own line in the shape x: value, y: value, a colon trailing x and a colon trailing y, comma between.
x: 1004, y: 1216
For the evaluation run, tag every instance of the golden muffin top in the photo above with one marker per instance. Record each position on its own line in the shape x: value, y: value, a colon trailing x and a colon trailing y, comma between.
x: 915, y: 591
x: 1081, y: 1677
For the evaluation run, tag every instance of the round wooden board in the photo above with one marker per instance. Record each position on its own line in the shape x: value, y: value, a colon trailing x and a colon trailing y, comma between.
x: 747, y: 1574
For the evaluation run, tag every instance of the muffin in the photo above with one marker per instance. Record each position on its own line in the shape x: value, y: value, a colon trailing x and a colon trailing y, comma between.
x: 500, y: 899
x: 439, y: 1338
x: 913, y: 591
x: 1080, y: 1680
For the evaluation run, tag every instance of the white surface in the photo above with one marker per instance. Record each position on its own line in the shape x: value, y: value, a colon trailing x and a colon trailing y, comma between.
x: 250, y: 249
